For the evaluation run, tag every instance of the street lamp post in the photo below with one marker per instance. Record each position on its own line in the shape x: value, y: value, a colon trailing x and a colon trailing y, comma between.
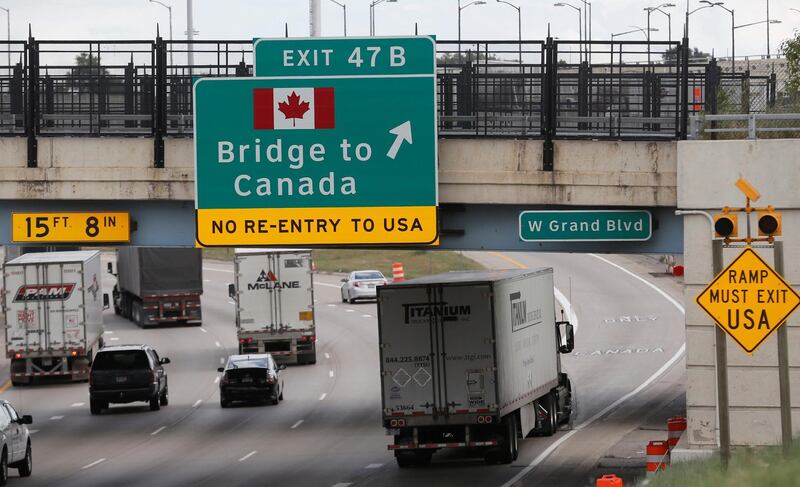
x: 460, y: 8
x: 519, y: 24
x: 587, y: 27
x: 169, y: 9
x: 733, y: 30
x: 344, y: 14
x: 372, y: 14
x: 649, y: 11
x: 8, y: 34
x: 635, y: 29
x: 580, y: 28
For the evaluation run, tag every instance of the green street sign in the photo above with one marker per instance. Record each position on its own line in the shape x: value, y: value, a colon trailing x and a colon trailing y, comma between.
x: 320, y: 151
x: 585, y: 225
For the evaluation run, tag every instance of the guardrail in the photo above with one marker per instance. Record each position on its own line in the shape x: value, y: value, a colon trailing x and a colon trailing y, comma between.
x: 746, y: 123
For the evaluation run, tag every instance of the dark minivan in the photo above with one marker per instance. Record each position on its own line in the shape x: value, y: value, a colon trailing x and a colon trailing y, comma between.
x: 253, y: 377
x: 127, y: 373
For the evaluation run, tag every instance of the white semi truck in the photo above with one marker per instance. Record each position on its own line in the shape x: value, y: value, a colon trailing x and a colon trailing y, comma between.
x: 54, y: 304
x: 274, y: 294
x: 471, y: 360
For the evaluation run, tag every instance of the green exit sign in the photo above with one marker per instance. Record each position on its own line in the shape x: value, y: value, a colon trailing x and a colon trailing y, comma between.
x: 585, y: 225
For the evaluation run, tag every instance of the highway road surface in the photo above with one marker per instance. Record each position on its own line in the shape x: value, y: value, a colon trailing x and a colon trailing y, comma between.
x: 627, y: 363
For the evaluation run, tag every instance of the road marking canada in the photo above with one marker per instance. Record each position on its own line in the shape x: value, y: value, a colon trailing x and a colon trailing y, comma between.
x: 248, y: 456
x: 374, y: 465
x: 297, y: 424
x: 96, y: 462
x: 159, y: 430
x: 56, y: 418
x: 656, y: 375
x: 197, y: 403
x: 78, y: 404
x: 323, y: 396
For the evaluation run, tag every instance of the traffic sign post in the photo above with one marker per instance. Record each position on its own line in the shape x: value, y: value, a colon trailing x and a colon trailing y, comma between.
x: 748, y: 301
x: 336, y: 146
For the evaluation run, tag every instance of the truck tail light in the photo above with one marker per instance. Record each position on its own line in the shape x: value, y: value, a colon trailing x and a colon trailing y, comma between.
x: 245, y: 340
x: 17, y: 355
x: 74, y: 353
x: 485, y: 419
x: 397, y: 423
x: 308, y: 338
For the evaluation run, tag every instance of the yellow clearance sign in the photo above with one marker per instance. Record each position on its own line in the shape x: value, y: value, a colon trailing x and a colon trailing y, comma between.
x: 74, y: 227
x: 749, y: 300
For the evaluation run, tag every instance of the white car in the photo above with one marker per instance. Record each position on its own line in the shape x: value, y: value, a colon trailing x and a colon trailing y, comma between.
x: 15, y: 442
x: 361, y: 285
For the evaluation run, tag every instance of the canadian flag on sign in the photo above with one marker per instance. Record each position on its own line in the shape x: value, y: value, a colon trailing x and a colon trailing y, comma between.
x: 293, y: 108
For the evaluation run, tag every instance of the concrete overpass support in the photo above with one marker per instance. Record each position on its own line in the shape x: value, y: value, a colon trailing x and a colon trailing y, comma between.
x: 707, y: 171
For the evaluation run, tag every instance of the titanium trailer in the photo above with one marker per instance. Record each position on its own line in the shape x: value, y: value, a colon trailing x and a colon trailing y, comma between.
x: 471, y: 360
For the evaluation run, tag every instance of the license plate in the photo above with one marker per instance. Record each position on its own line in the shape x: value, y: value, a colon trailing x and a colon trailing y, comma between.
x: 247, y: 380
x: 370, y: 286
x: 122, y: 379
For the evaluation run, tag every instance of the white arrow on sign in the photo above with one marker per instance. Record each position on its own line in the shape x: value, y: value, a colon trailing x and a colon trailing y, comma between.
x: 403, y: 133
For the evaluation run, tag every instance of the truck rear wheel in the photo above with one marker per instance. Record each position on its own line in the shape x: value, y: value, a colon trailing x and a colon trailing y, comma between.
x: 550, y: 423
x: 136, y: 313
x: 508, y: 450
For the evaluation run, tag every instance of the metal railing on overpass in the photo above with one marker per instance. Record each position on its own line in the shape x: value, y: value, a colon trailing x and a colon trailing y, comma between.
x: 531, y: 89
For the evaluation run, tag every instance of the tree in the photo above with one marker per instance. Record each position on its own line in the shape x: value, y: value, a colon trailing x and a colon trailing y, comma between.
x: 466, y: 56
x: 695, y: 54
x: 791, y: 49
x: 87, y: 67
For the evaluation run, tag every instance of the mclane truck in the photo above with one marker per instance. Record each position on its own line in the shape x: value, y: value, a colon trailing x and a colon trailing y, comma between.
x: 471, y: 359
x: 54, y: 305
x: 274, y: 295
x: 158, y: 285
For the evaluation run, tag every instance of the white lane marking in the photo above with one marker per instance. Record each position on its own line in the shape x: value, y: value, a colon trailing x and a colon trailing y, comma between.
x: 330, y: 373
x: 331, y: 305
x: 327, y: 355
x: 216, y: 380
x: 669, y: 363
x: 297, y: 424
x: 350, y: 310
x: 114, y: 339
x: 248, y: 456
x: 217, y: 344
x: 197, y: 403
x: 323, y: 396
x: 206, y: 280
x: 342, y: 484
x: 203, y: 330
x: 96, y: 462
x: 217, y: 270
x: 222, y: 360
x: 366, y: 316
x: 232, y: 303
x: 109, y: 332
x: 374, y: 465
x: 78, y: 404
x: 33, y: 431
x: 571, y: 315
x: 327, y: 285
x: 56, y: 418
x: 159, y: 430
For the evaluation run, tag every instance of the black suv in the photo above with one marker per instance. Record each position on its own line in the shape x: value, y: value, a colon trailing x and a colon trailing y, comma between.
x: 127, y: 373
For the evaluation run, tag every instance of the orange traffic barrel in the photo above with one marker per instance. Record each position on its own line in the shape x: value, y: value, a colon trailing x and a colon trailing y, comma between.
x: 675, y: 428
x: 397, y: 272
x: 609, y: 480
x: 657, y: 456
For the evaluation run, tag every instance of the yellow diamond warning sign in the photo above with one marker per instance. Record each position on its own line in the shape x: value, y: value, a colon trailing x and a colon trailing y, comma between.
x: 749, y: 300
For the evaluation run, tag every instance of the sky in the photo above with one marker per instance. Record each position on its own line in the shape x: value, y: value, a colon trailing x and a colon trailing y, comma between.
x: 245, y: 19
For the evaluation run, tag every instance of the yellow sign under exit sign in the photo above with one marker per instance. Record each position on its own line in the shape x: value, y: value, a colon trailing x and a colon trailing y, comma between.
x: 72, y: 227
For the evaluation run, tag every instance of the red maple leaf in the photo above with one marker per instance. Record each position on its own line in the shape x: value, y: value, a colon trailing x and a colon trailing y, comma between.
x: 294, y: 109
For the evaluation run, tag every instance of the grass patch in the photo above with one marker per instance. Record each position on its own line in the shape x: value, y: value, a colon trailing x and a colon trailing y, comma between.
x: 764, y: 467
x: 415, y: 262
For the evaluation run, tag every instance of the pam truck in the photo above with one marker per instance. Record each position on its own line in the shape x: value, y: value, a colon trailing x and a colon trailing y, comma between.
x: 53, y: 304
x: 274, y: 294
x: 471, y: 360
x: 158, y: 286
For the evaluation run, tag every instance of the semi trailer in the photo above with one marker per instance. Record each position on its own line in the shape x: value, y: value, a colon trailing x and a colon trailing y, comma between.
x: 471, y: 360
x: 158, y: 285
x: 53, y: 304
x: 274, y: 294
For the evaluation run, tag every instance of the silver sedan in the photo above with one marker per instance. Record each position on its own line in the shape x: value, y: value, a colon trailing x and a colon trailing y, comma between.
x: 361, y: 285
